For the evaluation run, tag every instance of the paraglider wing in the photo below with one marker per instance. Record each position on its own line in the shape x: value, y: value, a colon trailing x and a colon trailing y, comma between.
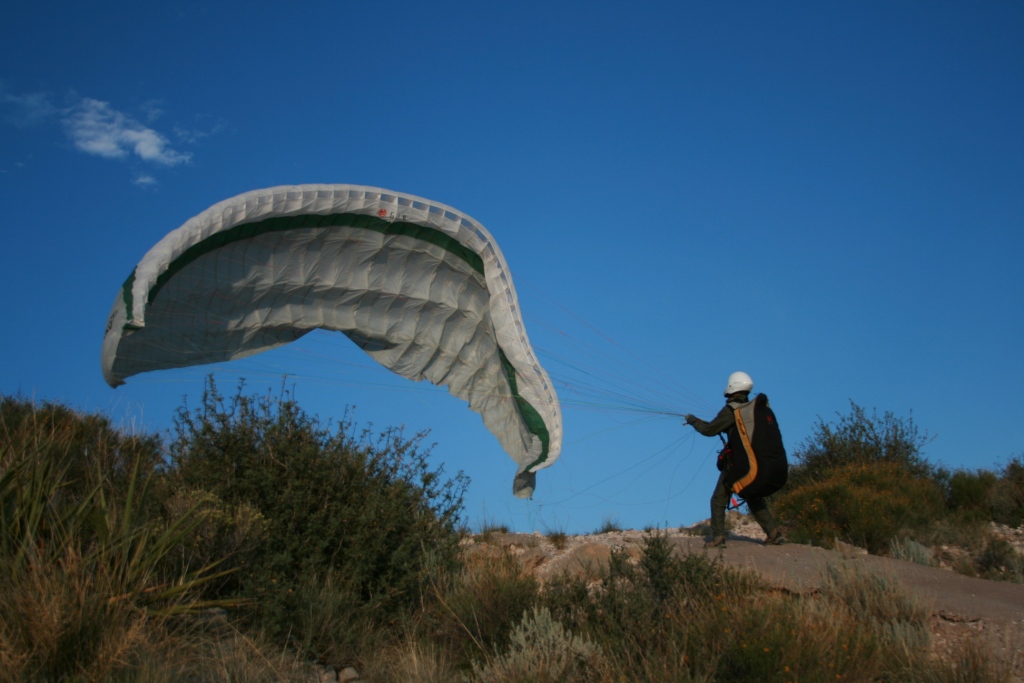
x: 419, y: 286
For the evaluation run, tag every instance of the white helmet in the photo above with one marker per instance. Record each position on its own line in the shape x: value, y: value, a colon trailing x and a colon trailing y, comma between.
x: 738, y: 381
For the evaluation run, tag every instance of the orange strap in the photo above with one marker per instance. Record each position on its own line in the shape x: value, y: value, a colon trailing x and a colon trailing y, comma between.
x: 741, y: 484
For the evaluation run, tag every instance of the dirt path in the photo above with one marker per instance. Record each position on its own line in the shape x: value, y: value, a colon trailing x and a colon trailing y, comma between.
x: 798, y: 568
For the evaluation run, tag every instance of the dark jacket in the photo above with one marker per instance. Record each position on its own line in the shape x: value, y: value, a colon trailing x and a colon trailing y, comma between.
x: 724, y: 422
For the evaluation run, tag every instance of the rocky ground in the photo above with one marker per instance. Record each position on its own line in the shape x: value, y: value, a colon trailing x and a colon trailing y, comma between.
x: 962, y: 608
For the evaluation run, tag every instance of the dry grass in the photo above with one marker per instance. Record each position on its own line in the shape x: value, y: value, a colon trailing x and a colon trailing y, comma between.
x: 558, y: 538
x: 82, y: 587
x: 64, y: 617
x: 411, y: 661
x: 214, y: 655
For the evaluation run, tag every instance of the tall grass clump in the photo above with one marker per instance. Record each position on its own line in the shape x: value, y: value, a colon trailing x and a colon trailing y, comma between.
x: 878, y: 602
x: 473, y: 611
x: 558, y: 538
x: 355, y: 525
x: 609, y: 525
x: 912, y: 551
x: 86, y: 581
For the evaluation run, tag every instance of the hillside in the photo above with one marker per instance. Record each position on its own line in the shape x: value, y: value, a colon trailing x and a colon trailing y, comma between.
x: 961, y: 607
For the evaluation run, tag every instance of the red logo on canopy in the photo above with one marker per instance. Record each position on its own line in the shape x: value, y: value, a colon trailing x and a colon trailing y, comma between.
x: 382, y: 213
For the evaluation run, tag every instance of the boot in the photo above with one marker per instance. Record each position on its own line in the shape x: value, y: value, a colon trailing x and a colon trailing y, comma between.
x: 716, y: 542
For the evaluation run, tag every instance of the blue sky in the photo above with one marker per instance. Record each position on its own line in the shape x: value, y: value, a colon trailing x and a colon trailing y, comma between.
x: 829, y: 196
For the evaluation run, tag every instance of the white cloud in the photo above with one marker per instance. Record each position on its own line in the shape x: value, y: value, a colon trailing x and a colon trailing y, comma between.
x: 97, y: 128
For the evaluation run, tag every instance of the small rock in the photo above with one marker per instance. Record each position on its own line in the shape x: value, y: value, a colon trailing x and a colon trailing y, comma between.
x: 328, y: 675
x: 348, y: 675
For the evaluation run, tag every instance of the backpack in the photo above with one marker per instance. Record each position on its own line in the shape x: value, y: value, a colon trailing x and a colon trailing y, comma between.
x: 759, y: 466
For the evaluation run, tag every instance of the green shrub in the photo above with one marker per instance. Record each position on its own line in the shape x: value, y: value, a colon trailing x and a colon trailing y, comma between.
x: 1006, y: 498
x: 999, y: 560
x: 968, y: 494
x: 543, y: 651
x: 228, y: 536
x: 659, y: 567
x: 863, y: 479
x: 365, y: 507
x: 332, y: 621
x: 984, y: 495
x: 866, y: 504
x: 859, y: 438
